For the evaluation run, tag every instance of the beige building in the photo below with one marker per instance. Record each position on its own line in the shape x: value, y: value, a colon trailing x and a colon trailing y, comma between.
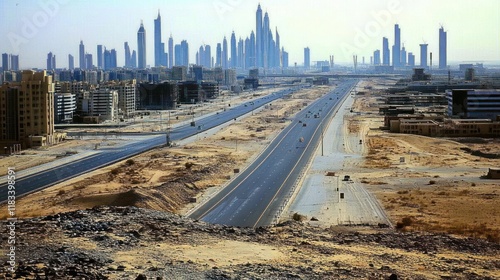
x: 126, y: 96
x: 27, y: 111
x: 102, y: 103
x: 448, y: 128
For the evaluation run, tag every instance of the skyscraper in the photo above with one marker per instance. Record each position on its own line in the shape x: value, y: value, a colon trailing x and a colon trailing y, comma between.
x: 307, y: 58
x: 376, y: 57
x: 253, y: 52
x: 185, y: 52
x: 5, y: 62
x: 277, y: 50
x: 51, y: 61
x: 100, y: 62
x: 224, y: 53
x: 128, y: 55
x: 141, y: 47
x: 403, y: 57
x: 171, y: 51
x: 89, y: 62
x: 241, y: 54
x: 423, y: 55
x: 159, y: 46
x: 443, y: 49
x: 411, y: 59
x: 82, y: 56
x: 386, y: 52
x: 71, y: 62
x: 259, y: 51
x: 284, y: 54
x: 234, y: 54
x: 218, y: 55
x: 266, y: 39
x: 396, y: 49
x: 14, y: 62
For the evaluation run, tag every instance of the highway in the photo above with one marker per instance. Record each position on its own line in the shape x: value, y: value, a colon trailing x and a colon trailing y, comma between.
x: 52, y: 176
x: 256, y: 196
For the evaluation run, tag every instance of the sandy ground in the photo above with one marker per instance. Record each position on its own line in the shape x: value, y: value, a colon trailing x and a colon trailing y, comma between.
x: 168, y: 179
x: 438, y: 187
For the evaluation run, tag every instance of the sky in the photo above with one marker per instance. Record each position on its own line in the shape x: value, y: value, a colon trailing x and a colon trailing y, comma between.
x: 343, y: 28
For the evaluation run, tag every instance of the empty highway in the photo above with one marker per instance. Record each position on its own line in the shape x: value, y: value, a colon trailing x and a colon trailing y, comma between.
x: 256, y: 196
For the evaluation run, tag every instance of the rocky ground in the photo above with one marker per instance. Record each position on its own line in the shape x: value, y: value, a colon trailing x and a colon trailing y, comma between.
x: 132, y: 243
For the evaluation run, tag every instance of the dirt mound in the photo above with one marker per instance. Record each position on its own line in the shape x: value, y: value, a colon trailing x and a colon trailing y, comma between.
x: 129, y: 198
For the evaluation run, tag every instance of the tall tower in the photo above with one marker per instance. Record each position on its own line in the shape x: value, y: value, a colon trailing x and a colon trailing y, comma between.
x: 82, y: 56
x: 71, y: 62
x: 278, y: 50
x: 218, y: 55
x: 386, y: 52
x: 224, y: 53
x: 396, y: 49
x: 252, y: 58
x: 100, y: 62
x: 128, y: 55
x: 307, y: 58
x: 259, y: 50
x: 171, y: 51
x: 265, y: 35
x: 423, y: 55
x: 443, y: 49
x: 51, y: 61
x: 158, y: 51
x: 234, y: 53
x: 141, y: 47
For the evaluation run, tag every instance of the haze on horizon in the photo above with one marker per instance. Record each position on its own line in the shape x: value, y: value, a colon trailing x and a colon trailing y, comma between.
x: 33, y: 28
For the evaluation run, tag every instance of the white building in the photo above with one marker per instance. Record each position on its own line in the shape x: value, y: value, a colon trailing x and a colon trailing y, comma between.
x: 64, y: 107
x: 126, y: 96
x: 102, y: 103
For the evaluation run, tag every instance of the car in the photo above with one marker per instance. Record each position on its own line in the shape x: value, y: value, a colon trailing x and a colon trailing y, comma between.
x: 304, y: 124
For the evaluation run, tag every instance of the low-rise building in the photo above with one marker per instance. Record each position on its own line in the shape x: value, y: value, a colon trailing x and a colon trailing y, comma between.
x: 64, y: 107
x: 473, y: 104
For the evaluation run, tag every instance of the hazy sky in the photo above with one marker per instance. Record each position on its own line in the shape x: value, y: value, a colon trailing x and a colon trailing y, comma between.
x: 32, y: 28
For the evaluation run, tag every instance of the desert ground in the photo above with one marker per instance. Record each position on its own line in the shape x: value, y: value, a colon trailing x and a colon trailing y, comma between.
x: 445, y: 216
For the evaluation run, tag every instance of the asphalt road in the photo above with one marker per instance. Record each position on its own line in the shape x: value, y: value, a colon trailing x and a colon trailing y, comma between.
x: 53, y: 176
x: 256, y: 196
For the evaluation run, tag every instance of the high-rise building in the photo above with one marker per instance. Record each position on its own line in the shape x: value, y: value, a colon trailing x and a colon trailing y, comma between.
x: 27, y: 117
x: 51, y: 61
x: 14, y: 62
x: 266, y: 40
x: 285, y: 61
x: 403, y: 57
x: 411, y: 59
x: 160, y: 55
x: 224, y: 54
x: 100, y: 62
x: 141, y: 47
x: 71, y: 62
x: 252, y: 56
x: 185, y: 53
x: 64, y: 107
x: 102, y: 103
x: 443, y: 49
x: 234, y: 54
x: 307, y: 58
x: 110, y: 59
x: 82, y: 56
x: 133, y: 62
x: 259, y: 51
x: 89, y: 62
x: 128, y: 55
x: 5, y: 62
x: 127, y: 92
x: 170, y: 51
x: 218, y: 54
x: 376, y: 57
x: 386, y: 52
x: 241, y: 54
x: 423, y: 55
x: 277, y: 48
x: 396, y: 49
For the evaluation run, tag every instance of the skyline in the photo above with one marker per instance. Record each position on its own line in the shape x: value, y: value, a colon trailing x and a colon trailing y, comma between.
x: 472, y: 36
